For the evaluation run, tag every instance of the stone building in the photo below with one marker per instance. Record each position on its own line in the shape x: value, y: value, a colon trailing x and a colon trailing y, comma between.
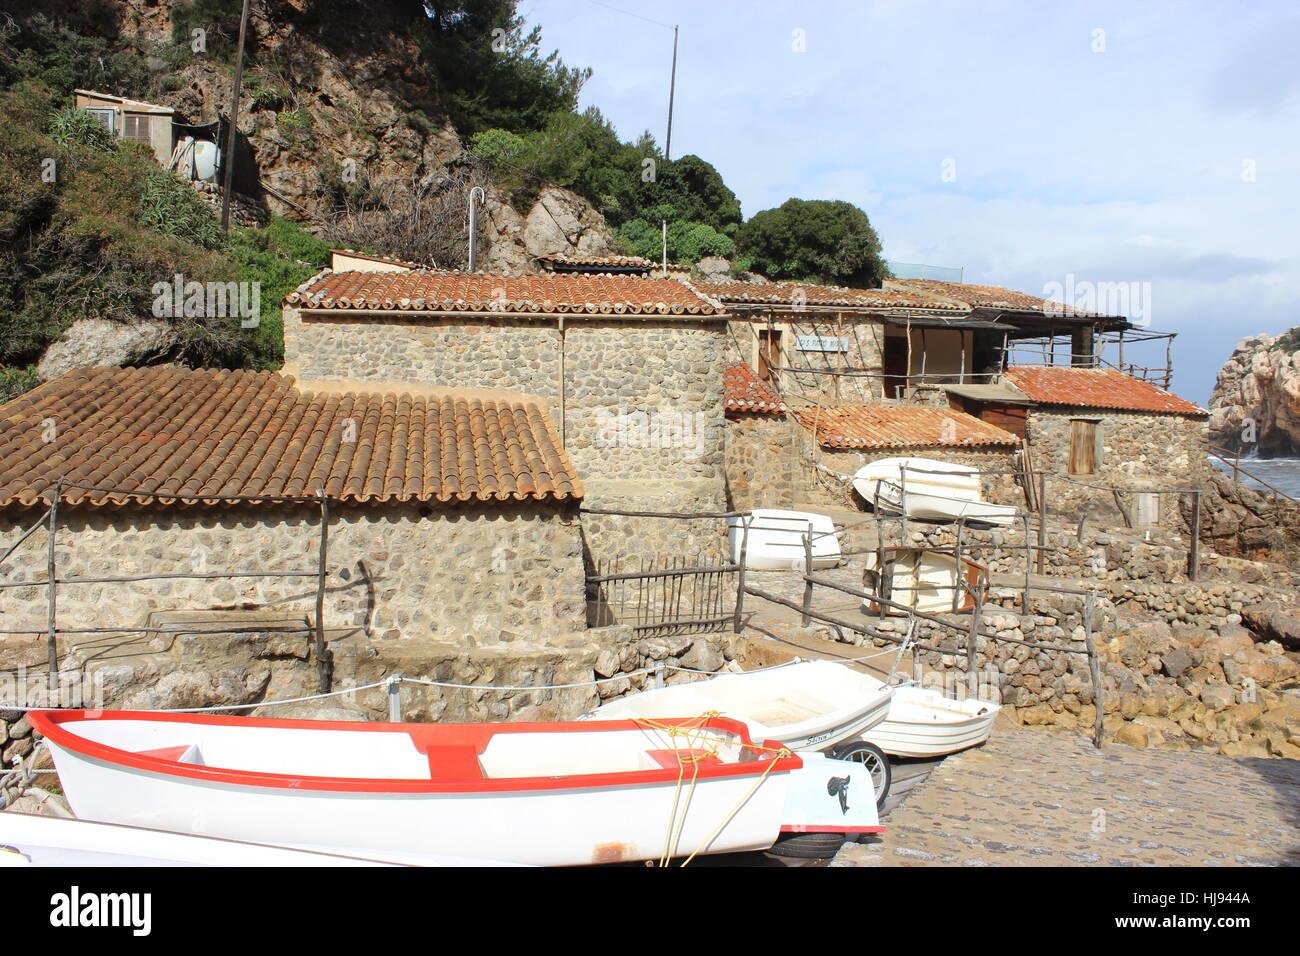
x: 631, y: 368
x: 452, y: 514
x: 782, y: 455
x: 1102, y: 428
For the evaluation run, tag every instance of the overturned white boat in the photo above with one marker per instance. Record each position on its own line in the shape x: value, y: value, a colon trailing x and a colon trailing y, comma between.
x: 928, y: 488
x: 922, y: 722
x: 812, y: 705
x: 923, y: 580
x: 550, y: 794
x: 774, y: 539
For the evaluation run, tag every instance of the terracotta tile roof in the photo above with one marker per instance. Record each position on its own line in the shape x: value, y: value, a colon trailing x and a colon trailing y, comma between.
x: 619, y: 262
x: 746, y: 392
x: 1096, y: 388
x: 788, y: 295
x: 987, y: 297
x: 899, y: 426
x: 481, y: 292
x: 779, y: 294
x: 189, y: 434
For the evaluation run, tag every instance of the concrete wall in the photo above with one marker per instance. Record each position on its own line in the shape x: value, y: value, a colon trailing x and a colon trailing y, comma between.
x: 472, y: 576
x: 1136, y: 451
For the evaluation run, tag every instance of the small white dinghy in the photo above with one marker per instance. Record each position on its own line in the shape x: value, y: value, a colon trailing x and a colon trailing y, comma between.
x: 929, y: 488
x: 812, y: 705
x: 922, y: 580
x: 549, y: 794
x: 775, y: 540
x: 924, y: 723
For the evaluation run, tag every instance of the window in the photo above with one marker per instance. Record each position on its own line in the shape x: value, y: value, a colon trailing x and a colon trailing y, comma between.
x: 107, y: 117
x: 1085, y: 447
x: 136, y: 127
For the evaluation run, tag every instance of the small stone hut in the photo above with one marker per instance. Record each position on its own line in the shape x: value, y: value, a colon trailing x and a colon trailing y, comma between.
x: 452, y: 514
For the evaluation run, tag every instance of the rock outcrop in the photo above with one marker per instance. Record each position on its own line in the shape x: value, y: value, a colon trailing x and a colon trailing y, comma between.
x: 1259, y: 383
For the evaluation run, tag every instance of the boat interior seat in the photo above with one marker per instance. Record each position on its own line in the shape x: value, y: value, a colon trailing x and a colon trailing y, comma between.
x: 185, y: 753
x: 452, y: 749
x: 675, y: 759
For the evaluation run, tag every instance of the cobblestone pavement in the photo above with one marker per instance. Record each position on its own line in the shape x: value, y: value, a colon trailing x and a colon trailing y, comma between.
x: 1042, y: 798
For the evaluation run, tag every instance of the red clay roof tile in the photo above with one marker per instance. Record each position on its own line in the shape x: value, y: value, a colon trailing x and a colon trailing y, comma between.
x: 746, y: 392
x: 160, y: 435
x: 899, y: 426
x: 479, y: 292
x: 1096, y: 388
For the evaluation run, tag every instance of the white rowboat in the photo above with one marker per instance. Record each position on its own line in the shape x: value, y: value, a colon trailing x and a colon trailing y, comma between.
x: 549, y: 794
x: 924, y: 723
x: 30, y: 840
x: 929, y: 488
x: 812, y: 705
x: 775, y: 540
x: 923, y: 580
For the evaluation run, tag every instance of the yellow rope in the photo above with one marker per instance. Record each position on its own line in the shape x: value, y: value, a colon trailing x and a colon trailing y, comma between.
x: 693, y: 732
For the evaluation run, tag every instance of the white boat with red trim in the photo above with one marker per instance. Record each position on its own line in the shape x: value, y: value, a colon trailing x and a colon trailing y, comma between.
x: 549, y: 794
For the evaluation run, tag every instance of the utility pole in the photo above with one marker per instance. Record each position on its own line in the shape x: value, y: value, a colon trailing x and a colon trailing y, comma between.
x: 672, y: 92
x: 234, y: 120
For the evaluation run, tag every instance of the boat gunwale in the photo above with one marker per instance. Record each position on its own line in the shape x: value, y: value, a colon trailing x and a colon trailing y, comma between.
x: 49, y: 723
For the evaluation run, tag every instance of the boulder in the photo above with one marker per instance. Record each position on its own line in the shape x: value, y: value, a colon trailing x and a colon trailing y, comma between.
x: 1135, y: 735
x: 88, y: 343
x: 1218, y: 696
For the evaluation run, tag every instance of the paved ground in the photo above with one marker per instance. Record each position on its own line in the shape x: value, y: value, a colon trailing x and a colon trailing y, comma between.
x: 1041, y: 798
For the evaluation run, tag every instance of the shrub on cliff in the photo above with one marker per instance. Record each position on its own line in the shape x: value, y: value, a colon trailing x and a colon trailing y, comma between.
x: 819, y: 240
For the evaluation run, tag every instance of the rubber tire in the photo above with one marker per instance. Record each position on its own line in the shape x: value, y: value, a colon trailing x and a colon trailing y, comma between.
x: 807, y: 846
x: 841, y: 752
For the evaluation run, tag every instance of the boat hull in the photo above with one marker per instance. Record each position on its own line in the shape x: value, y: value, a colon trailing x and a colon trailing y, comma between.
x: 924, y: 723
x: 601, y: 818
x: 775, y: 540
x: 935, y: 490
x: 808, y: 706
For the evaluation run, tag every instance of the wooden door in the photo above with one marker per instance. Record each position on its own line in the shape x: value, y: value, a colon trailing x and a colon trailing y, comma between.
x: 1083, y: 447
x: 769, y: 355
x: 895, y: 365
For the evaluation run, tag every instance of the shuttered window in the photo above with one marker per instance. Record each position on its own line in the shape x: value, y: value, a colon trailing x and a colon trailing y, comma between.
x: 136, y: 127
x: 1084, y: 446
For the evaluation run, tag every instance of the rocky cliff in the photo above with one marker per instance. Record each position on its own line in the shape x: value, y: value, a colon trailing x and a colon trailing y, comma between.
x: 1259, y: 384
x: 324, y: 105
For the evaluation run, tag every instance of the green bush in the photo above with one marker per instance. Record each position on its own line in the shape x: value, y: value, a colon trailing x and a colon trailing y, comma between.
x: 71, y: 126
x: 817, y: 240
x: 169, y: 205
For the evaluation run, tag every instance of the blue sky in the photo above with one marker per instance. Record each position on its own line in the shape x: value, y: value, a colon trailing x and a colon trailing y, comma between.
x: 1154, y: 143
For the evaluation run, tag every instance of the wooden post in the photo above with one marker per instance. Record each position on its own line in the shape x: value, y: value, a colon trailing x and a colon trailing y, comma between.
x: 957, y: 554
x: 902, y: 504
x: 807, y: 579
x: 1042, y: 520
x: 1089, y: 605
x: 1024, y: 600
x: 972, y: 636
x: 1194, y: 552
x: 881, y: 587
x: 1083, y: 521
x: 736, y: 624
x: 52, y: 648
x: 229, y: 159
x: 323, y: 661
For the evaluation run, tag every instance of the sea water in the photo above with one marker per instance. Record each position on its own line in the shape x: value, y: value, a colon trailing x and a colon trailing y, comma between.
x: 1281, y: 473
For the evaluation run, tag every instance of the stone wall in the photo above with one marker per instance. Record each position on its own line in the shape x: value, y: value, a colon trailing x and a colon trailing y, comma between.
x: 1137, y: 451
x: 765, y: 467
x: 865, y: 353
x: 472, y: 576
x: 640, y: 409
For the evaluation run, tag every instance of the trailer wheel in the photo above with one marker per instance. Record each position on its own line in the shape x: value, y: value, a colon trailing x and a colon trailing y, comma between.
x: 807, y: 846
x: 874, y: 759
